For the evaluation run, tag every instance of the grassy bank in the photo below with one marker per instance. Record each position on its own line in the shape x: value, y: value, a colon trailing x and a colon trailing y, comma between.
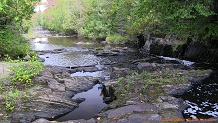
x: 15, y: 86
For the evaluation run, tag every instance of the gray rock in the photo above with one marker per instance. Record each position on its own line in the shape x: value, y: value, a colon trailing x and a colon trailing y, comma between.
x: 51, y: 113
x: 178, y: 89
x: 172, y: 115
x: 120, y: 69
x: 53, y: 98
x: 168, y: 99
x: 78, y: 83
x: 41, y: 59
x: 144, y: 66
x: 130, y: 109
x: 91, y: 121
x: 42, y: 79
x: 141, y: 118
x: 88, y: 69
x: 54, y: 85
x: 41, y: 120
x: 79, y: 100
x: 166, y: 105
x: 47, y: 74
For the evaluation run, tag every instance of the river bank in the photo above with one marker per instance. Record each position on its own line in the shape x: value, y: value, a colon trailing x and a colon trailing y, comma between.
x: 147, y: 98
x: 144, y: 87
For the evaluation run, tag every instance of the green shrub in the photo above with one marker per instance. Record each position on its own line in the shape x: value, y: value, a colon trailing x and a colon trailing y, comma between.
x: 13, y: 45
x: 24, y: 72
x: 115, y: 38
x: 26, y: 25
x: 11, y: 99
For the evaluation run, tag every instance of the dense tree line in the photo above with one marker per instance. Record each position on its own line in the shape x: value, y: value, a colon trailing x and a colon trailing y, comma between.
x: 102, y: 18
x: 13, y: 15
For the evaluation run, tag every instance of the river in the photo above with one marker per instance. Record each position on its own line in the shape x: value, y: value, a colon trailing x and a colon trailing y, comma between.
x: 78, y: 51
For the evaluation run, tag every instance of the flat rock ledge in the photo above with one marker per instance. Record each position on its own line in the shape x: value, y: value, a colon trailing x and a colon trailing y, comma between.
x: 109, y: 51
x: 165, y: 109
x: 52, y: 95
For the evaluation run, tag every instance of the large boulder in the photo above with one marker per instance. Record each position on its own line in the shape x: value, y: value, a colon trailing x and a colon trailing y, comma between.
x: 160, y: 46
x: 201, y: 52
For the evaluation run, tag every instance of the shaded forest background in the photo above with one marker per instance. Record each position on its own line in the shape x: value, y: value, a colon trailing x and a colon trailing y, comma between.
x: 124, y: 19
x: 113, y: 20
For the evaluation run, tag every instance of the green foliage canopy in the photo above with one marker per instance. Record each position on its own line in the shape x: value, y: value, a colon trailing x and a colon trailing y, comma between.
x: 12, y: 14
x: 102, y: 18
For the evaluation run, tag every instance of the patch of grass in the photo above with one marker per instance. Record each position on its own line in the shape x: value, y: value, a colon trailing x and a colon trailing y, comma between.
x: 146, y: 85
x: 116, y: 38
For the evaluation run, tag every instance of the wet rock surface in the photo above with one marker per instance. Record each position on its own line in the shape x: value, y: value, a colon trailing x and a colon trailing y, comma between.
x: 42, y: 52
x: 192, y: 50
x: 58, y: 87
x: 52, y: 95
x: 158, y: 107
x: 109, y: 51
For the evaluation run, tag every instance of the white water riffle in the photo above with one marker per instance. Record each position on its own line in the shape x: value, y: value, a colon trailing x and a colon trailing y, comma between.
x: 185, y: 62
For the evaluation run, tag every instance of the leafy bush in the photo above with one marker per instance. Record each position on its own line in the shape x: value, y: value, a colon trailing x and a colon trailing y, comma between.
x: 115, y: 38
x: 11, y: 98
x: 26, y: 25
x: 12, y: 45
x: 24, y: 72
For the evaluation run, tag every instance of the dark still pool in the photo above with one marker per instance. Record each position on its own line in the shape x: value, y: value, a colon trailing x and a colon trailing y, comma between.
x: 92, y: 105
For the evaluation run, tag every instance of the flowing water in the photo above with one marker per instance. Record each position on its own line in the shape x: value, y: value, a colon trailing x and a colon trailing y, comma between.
x: 201, y: 98
x: 79, y: 52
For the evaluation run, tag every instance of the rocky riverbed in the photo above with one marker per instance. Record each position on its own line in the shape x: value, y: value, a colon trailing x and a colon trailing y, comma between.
x: 142, y: 88
x: 147, y: 98
x: 143, y: 95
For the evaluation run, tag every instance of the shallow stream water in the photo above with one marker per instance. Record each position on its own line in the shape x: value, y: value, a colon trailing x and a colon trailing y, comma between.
x: 202, y: 98
x: 79, y: 52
